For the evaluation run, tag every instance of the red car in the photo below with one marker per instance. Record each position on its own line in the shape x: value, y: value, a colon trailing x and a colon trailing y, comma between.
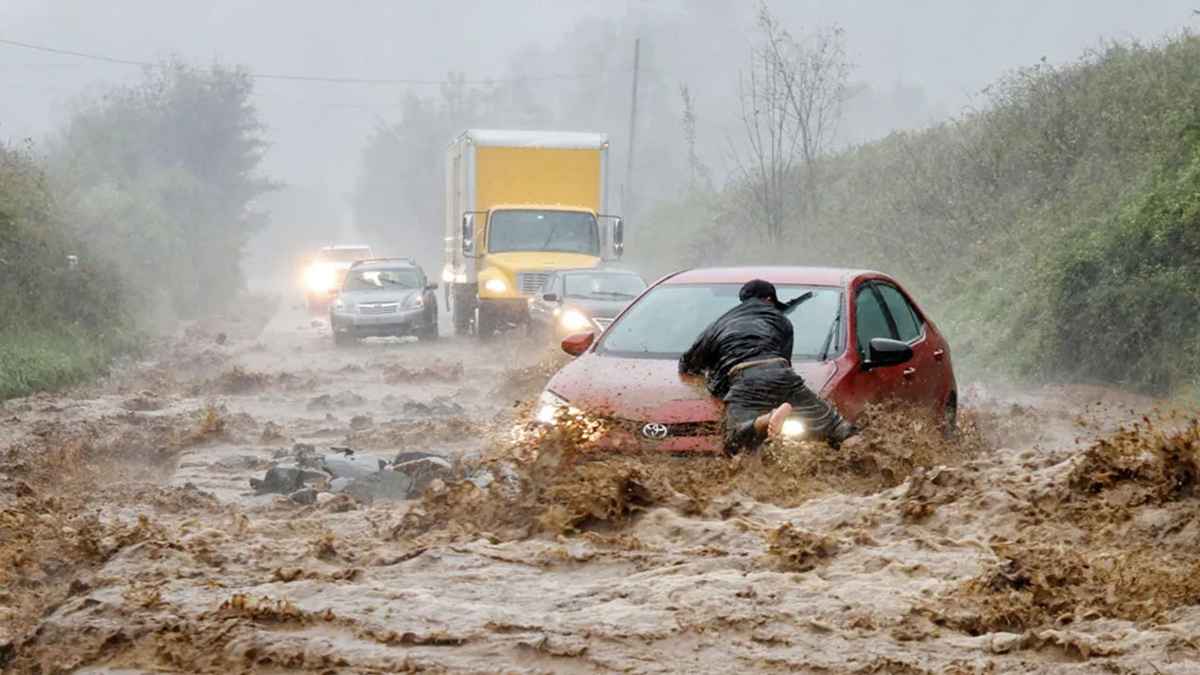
x: 860, y: 339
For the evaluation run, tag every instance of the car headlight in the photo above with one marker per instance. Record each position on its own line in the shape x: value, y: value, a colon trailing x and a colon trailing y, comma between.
x: 793, y: 428
x: 495, y: 286
x: 414, y: 301
x: 320, y: 278
x: 550, y: 406
x: 574, y: 320
x: 339, y: 305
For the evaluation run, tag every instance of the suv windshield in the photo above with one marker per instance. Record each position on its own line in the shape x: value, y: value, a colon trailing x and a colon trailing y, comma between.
x: 375, y: 279
x: 603, y: 286
x: 665, y: 322
x: 528, y: 230
x: 343, y: 254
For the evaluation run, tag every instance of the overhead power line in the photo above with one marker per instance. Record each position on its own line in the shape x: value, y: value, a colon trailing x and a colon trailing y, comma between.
x: 303, y: 78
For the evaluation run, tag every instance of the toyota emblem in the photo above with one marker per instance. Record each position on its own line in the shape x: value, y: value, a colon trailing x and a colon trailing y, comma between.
x: 655, y: 431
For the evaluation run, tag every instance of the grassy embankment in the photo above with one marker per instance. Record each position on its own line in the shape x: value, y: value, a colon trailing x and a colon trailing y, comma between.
x: 59, y: 325
x: 1054, y: 232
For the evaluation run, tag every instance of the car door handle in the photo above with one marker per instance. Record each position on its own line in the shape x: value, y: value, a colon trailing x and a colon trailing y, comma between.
x: 909, y: 372
x: 939, y: 354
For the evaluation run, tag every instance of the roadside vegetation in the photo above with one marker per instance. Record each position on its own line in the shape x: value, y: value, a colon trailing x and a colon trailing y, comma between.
x: 135, y: 214
x: 1056, y: 227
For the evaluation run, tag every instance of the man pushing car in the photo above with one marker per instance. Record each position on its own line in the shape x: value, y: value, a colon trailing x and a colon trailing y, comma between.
x: 746, y: 358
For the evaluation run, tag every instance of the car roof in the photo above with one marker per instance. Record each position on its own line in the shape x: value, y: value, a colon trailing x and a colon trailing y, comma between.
x: 386, y: 262
x: 815, y: 276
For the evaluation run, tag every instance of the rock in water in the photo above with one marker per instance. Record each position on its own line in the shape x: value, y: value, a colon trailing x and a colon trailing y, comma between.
x: 342, y: 465
x: 423, y: 470
x: 284, y: 480
x: 381, y: 485
x: 304, y: 496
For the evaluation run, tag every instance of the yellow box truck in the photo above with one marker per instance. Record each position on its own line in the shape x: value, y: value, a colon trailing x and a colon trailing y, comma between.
x: 519, y: 205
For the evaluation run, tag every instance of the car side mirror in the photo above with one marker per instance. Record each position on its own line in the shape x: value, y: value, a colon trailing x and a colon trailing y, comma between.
x: 619, y: 237
x: 886, y: 352
x: 550, y: 297
x: 578, y: 343
x: 468, y: 233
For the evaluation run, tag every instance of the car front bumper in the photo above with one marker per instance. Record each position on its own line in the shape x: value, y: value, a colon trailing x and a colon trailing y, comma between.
x: 377, y: 324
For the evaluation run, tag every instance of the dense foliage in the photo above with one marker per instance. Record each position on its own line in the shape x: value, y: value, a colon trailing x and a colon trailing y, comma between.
x: 1053, y: 232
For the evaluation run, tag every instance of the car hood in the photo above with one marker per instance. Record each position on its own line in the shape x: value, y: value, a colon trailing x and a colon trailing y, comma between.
x: 650, y: 389
x: 381, y: 295
x: 601, y: 308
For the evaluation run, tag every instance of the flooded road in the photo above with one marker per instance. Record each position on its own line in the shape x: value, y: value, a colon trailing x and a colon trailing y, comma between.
x: 131, y: 540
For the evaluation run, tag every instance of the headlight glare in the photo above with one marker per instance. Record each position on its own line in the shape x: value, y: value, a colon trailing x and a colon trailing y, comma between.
x: 574, y: 320
x: 549, y: 406
x: 495, y: 286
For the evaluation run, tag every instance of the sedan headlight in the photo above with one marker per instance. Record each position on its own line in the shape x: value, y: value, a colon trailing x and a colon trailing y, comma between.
x: 495, y: 286
x: 550, y: 408
x: 793, y: 428
x: 574, y: 320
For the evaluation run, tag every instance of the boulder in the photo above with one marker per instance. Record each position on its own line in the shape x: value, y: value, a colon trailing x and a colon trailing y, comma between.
x: 284, y: 479
x: 381, y: 485
x: 304, y: 496
x: 350, y: 465
x: 422, y: 470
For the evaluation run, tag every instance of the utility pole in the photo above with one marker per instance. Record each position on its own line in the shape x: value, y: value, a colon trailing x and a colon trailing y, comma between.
x: 627, y: 200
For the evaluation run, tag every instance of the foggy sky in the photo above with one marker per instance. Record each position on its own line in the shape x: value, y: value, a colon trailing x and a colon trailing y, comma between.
x: 948, y: 49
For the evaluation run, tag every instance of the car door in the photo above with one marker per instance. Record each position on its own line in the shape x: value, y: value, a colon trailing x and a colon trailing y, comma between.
x: 921, y: 374
x: 859, y: 388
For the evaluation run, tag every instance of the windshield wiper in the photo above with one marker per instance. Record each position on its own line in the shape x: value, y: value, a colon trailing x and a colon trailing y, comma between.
x: 611, y: 294
x: 833, y: 327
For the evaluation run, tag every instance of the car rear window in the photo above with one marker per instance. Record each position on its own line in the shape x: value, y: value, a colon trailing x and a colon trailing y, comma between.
x: 665, y: 321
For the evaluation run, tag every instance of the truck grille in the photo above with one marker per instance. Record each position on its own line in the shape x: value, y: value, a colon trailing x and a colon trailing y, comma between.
x: 379, y: 308
x: 531, y: 282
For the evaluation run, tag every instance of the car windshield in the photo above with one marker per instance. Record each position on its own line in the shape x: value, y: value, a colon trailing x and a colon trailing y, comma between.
x: 603, y: 286
x: 665, y: 321
x: 344, y: 254
x: 375, y: 279
x: 529, y: 230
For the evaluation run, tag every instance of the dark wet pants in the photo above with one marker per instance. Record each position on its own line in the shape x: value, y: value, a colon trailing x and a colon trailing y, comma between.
x: 760, y: 389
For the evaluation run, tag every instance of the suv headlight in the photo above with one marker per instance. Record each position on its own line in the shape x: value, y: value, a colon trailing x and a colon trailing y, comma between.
x: 574, y: 320
x: 414, y: 301
x: 549, y: 406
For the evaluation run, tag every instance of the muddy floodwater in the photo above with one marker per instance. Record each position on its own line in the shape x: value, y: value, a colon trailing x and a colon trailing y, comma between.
x: 1059, y: 533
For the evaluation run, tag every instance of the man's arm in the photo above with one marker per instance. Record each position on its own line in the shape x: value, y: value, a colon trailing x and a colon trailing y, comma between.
x: 698, y: 358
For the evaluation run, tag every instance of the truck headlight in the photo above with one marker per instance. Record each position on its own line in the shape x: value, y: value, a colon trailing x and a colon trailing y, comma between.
x: 495, y: 286
x: 550, y: 406
x: 574, y: 320
x: 793, y: 428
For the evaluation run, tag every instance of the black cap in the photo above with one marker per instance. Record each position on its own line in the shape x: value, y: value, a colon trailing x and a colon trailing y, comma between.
x: 764, y: 290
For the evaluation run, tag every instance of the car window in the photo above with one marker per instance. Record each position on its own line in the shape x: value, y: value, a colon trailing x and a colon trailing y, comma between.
x: 376, y: 279
x: 602, y: 286
x: 871, y: 322
x: 908, y: 326
x: 669, y: 318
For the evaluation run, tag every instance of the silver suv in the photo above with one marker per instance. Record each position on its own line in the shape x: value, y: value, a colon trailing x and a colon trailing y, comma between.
x: 384, y: 297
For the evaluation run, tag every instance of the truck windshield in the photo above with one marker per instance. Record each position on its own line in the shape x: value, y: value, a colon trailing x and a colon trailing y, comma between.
x: 530, y: 230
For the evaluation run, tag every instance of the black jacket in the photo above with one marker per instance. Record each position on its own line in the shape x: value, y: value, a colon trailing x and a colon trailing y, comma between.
x: 751, y: 331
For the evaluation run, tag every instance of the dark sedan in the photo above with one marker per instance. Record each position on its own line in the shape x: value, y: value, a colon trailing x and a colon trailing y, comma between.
x: 572, y: 301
